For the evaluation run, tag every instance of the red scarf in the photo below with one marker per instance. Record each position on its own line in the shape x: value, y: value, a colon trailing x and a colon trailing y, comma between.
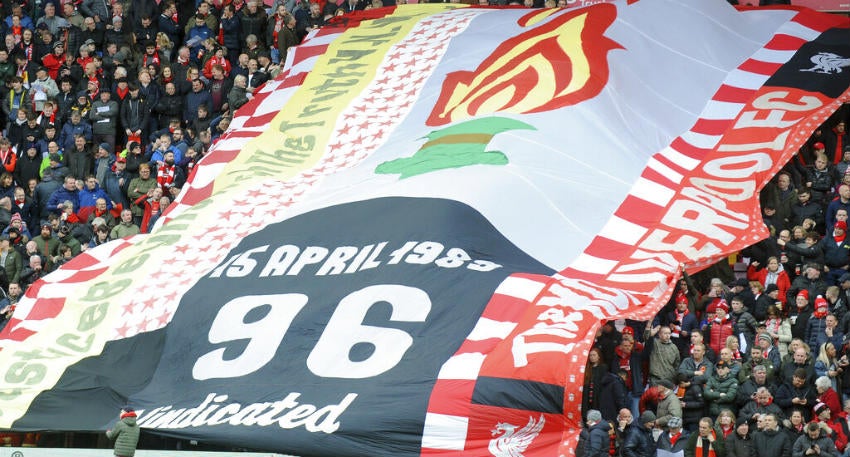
x: 821, y: 313
x: 839, y: 239
x: 165, y: 176
x: 705, y: 447
x: 674, y: 438
x: 221, y: 34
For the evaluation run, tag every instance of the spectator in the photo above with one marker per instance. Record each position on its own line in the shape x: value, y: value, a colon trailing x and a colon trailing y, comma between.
x: 139, y: 187
x: 104, y: 118
x: 125, y: 228
x: 674, y: 439
x: 796, y: 395
x: 598, y: 442
x: 721, y: 390
x: 760, y: 406
x: 79, y: 158
x: 669, y: 405
x: 770, y: 440
x: 815, y: 442
x: 705, y: 442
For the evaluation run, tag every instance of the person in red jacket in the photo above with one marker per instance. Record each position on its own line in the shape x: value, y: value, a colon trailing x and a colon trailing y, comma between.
x: 7, y: 156
x: 824, y: 414
x: 771, y: 274
x: 721, y: 326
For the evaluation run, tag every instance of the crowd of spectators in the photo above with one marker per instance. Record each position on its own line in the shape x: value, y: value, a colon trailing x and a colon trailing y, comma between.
x: 746, y: 363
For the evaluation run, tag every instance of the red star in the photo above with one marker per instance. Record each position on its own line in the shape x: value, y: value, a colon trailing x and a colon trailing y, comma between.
x: 364, y: 125
x: 433, y: 57
x: 149, y: 303
x: 389, y: 68
x: 227, y: 214
x: 361, y: 108
x: 370, y: 100
x: 163, y: 319
x: 142, y: 326
x: 387, y: 123
x: 241, y: 202
x: 377, y: 135
x: 402, y: 45
x: 345, y: 129
x: 348, y: 116
x: 383, y: 81
x: 156, y: 274
x: 128, y: 308
x: 185, y: 281
x: 182, y: 248
x: 170, y: 297
x: 220, y: 237
x: 407, y: 75
x: 205, y: 248
x: 358, y: 141
x: 335, y: 146
x: 169, y: 261
x: 394, y: 56
x: 123, y: 330
x: 193, y: 262
x: 257, y: 224
x: 249, y: 213
x: 255, y: 193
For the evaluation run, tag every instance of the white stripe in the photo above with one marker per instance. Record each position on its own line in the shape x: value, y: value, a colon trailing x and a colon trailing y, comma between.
x: 522, y: 288
x: 462, y: 366
x: 664, y: 170
x: 652, y: 192
x: 772, y: 55
x: 444, y: 432
x: 701, y: 140
x: 744, y: 79
x: 489, y: 328
x: 623, y: 231
x: 591, y: 264
x: 798, y: 30
x: 717, y: 110
x: 688, y: 163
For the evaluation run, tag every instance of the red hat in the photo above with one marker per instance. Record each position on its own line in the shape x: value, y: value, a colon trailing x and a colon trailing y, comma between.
x: 820, y: 302
x: 628, y: 330
x: 803, y: 293
x: 711, y: 309
x: 819, y: 145
x: 841, y: 225
x: 681, y: 298
x: 723, y: 305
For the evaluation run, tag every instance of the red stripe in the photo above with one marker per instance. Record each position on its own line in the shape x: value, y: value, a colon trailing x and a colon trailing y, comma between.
x: 689, y: 150
x: 47, y: 308
x: 733, y: 94
x: 759, y: 67
x: 606, y: 248
x: 821, y: 22
x: 711, y: 126
x: 785, y: 43
x: 656, y: 177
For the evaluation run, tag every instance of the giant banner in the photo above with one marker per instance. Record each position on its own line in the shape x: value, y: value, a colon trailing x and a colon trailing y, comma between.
x: 406, y: 243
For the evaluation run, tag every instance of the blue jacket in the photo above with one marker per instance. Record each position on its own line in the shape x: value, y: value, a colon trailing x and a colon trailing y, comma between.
x: 60, y: 197
x: 88, y: 198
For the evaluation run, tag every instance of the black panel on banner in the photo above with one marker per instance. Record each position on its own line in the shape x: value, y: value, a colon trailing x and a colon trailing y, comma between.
x: 519, y: 394
x: 817, y: 65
